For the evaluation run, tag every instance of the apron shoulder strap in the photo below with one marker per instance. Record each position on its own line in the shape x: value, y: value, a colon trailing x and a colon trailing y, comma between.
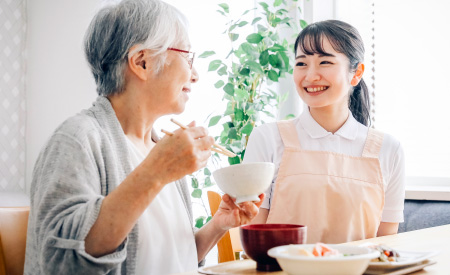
x: 373, y: 143
x: 288, y: 134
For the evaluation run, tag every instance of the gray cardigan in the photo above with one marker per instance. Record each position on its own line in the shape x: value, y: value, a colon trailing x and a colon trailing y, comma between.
x: 84, y: 160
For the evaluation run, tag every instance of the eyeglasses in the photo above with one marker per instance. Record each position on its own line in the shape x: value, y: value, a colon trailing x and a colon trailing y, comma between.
x: 190, y: 57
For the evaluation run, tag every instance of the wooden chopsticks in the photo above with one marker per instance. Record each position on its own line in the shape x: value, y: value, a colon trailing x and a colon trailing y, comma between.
x: 219, y: 149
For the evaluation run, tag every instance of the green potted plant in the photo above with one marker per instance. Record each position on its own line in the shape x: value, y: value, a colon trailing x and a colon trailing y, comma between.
x: 245, y: 77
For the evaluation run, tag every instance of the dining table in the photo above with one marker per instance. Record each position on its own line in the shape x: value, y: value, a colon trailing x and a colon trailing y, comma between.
x: 423, y: 240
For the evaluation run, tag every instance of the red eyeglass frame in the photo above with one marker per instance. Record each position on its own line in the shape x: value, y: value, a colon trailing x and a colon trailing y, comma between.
x: 190, y: 59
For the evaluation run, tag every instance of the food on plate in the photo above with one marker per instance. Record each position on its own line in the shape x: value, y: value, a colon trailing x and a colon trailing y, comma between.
x: 319, y: 250
x: 387, y: 254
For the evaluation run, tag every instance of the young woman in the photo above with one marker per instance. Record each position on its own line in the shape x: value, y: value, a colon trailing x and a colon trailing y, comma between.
x: 335, y: 174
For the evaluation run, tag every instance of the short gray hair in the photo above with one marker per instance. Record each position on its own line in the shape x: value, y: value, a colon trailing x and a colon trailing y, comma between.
x: 151, y: 24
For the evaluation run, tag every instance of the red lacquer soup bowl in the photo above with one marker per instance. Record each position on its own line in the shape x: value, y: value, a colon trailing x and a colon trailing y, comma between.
x: 257, y: 239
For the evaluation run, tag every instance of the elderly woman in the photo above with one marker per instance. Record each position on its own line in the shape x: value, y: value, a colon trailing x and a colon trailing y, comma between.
x: 108, y: 196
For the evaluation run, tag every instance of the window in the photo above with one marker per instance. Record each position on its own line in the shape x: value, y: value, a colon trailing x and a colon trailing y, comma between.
x: 411, y: 96
x: 412, y: 41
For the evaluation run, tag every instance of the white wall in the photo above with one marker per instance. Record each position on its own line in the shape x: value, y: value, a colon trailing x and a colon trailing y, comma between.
x: 59, y: 82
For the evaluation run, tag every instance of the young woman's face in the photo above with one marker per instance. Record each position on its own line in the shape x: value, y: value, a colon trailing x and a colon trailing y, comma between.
x: 323, y: 80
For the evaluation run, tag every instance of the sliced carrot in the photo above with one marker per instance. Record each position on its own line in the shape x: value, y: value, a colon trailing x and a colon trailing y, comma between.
x: 320, y: 249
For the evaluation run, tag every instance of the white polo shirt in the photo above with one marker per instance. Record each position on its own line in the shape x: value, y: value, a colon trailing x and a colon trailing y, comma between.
x: 265, y: 144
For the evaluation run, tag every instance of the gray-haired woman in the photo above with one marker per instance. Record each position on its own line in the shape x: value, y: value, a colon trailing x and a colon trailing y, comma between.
x: 107, y: 196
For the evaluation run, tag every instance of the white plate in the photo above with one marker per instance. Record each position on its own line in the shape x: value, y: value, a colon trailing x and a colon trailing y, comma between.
x: 399, y: 270
x: 406, y: 258
x: 233, y: 267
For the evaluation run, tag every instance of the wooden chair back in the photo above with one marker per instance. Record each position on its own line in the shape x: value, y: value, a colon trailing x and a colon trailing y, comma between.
x: 2, y: 260
x: 230, y: 242
x: 13, y: 236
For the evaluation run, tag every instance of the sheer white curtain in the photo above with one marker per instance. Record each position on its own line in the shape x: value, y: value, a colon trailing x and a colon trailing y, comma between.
x: 410, y: 39
x: 12, y: 95
x: 412, y: 92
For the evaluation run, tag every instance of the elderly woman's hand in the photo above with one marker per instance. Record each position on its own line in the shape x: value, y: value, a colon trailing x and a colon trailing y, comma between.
x: 230, y: 215
x: 183, y: 153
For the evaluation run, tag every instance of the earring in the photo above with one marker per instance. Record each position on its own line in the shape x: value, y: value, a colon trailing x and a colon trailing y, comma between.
x: 354, y: 81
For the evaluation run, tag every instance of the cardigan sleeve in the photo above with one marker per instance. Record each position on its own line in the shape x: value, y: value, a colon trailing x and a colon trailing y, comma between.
x: 65, y: 202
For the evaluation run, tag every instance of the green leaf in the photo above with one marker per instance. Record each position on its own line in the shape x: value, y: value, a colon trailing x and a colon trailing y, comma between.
x: 285, y: 59
x: 208, y: 182
x: 254, y: 38
x: 290, y: 116
x: 229, y: 111
x: 219, y: 84
x: 232, y: 27
x: 222, y: 70
x: 261, y: 28
x: 236, y: 146
x: 243, y: 23
x: 247, y: 129
x: 199, y: 222
x: 282, y: 11
x: 303, y: 23
x: 229, y: 89
x: 264, y: 5
x: 230, y: 53
x: 256, y: 20
x: 255, y: 67
x: 208, y: 219
x: 250, y: 111
x: 264, y: 58
x: 207, y: 172
x: 239, y: 116
x: 277, y: 48
x: 221, y: 12
x: 244, y: 72
x: 235, y: 160
x: 232, y: 133
x: 214, y: 120
x: 225, y: 7
x: 247, y: 11
x: 233, y: 36
x: 214, y: 65
x: 276, y: 21
x: 197, y: 193
x: 241, y: 94
x: 283, y: 97
x: 274, y: 61
x: 277, y: 3
x: 207, y: 54
x: 273, y: 75
x: 248, y: 48
x: 194, y: 183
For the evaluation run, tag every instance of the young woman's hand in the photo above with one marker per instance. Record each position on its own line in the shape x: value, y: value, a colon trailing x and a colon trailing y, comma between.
x: 176, y: 156
x: 230, y: 215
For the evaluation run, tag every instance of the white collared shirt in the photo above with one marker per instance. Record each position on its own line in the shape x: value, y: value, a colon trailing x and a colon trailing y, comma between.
x: 265, y: 144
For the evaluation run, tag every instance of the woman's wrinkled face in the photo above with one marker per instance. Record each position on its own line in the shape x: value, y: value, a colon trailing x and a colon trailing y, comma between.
x: 173, y: 82
x: 323, y: 80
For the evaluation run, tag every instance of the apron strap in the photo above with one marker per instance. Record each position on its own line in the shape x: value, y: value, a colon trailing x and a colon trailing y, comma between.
x: 373, y: 143
x: 288, y: 134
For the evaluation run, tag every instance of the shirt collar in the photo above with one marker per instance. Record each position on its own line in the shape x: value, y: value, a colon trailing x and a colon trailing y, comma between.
x: 349, y: 130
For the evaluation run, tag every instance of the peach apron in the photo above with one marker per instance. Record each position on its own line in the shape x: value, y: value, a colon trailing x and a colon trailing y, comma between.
x: 338, y: 197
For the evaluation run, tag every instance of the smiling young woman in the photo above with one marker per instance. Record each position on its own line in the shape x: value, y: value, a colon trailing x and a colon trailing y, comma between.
x: 335, y: 174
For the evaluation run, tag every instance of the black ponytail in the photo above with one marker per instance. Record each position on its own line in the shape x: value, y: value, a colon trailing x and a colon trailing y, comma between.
x: 344, y: 39
x: 359, y: 103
